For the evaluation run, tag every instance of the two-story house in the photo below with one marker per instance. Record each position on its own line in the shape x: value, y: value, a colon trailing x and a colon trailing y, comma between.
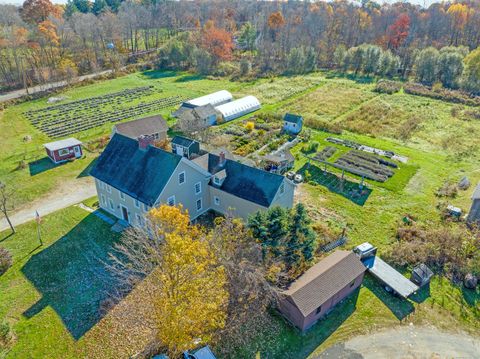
x: 133, y: 176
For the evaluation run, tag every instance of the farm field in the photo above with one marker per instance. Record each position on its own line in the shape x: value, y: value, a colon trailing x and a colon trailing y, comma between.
x: 439, y: 147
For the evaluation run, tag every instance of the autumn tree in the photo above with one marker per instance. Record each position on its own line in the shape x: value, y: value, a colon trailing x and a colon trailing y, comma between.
x: 459, y: 14
x: 248, y: 37
x: 398, y: 31
x: 275, y: 22
x: 37, y: 11
x: 187, y: 284
x: 218, y: 42
x: 471, y: 74
x: 7, y: 196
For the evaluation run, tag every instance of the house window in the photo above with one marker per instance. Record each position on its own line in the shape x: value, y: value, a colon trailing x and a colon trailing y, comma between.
x: 139, y: 219
x: 104, y: 201
x: 171, y: 201
x: 282, y: 188
x: 63, y: 152
x: 181, y: 177
x: 137, y: 203
x: 319, y: 309
x: 109, y: 188
x: 198, y: 187
x: 199, y: 204
x: 216, y: 200
x: 112, y: 207
x: 352, y: 284
x: 122, y: 195
x: 216, y: 180
x: 145, y: 208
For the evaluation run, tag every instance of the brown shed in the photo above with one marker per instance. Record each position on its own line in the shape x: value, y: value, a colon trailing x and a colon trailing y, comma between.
x: 314, y: 294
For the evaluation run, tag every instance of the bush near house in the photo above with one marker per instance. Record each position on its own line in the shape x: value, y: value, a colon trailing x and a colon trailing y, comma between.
x: 5, y: 260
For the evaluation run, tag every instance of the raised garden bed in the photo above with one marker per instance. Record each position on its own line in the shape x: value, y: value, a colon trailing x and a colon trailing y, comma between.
x: 365, y: 165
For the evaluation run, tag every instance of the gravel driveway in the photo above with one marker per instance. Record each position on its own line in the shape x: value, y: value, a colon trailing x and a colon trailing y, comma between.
x: 406, y: 342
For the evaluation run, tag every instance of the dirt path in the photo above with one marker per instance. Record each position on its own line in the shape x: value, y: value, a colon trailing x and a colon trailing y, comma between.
x: 39, y: 88
x: 68, y: 194
x: 406, y: 342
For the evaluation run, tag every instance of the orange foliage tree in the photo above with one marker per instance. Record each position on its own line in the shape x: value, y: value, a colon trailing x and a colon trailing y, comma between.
x: 218, y: 42
x: 37, y: 11
x: 398, y: 31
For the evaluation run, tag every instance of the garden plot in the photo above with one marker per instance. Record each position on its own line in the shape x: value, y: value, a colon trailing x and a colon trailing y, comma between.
x: 329, y: 101
x: 366, y: 165
x: 280, y: 89
x: 325, y: 154
x: 61, y: 120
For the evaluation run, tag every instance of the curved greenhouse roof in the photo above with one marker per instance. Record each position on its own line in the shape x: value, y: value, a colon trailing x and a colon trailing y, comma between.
x: 237, y: 108
x: 216, y: 98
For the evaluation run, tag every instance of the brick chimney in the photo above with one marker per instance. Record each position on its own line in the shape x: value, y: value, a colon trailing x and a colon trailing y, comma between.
x: 221, y: 159
x: 144, y: 141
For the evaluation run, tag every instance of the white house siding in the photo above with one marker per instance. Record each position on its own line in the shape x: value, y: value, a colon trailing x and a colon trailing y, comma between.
x: 285, y: 199
x: 105, y: 196
x: 185, y: 193
x: 232, y: 205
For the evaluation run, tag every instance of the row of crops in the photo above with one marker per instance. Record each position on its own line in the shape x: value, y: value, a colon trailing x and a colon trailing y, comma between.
x: 325, y: 154
x: 366, y: 165
x: 65, y: 119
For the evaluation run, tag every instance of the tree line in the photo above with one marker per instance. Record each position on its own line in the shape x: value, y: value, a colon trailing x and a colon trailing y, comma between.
x: 40, y: 42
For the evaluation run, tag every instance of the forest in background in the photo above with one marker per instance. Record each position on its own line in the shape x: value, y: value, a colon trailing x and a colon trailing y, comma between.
x: 438, y: 46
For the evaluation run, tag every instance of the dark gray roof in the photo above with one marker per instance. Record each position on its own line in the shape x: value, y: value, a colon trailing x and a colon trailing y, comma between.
x: 141, y: 174
x: 205, y: 111
x: 249, y: 183
x: 325, y: 279
x: 422, y: 271
x: 142, y: 126
x: 476, y: 193
x: 183, y: 141
x: 289, y: 117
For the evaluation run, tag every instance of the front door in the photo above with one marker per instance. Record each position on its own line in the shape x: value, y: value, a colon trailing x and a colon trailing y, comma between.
x: 77, y: 151
x: 125, y: 214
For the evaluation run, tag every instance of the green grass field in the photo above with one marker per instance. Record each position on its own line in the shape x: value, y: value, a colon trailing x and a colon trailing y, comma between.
x: 439, y: 147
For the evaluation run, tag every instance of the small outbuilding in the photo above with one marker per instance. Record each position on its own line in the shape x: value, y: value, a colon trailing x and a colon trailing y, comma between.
x: 185, y: 147
x: 64, y: 150
x: 292, y: 123
x: 215, y: 99
x: 201, y: 353
x: 200, y: 117
x: 279, y: 162
x: 314, y: 294
x: 153, y: 126
x: 421, y: 275
x: 238, y: 108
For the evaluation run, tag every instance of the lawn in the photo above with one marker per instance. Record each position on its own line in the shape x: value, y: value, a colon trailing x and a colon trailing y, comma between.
x: 52, y: 295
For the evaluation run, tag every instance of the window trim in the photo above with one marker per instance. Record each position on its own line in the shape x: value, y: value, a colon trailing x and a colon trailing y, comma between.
x: 109, y: 188
x: 171, y: 198
x: 136, y: 203
x: 63, y: 152
x: 103, y: 200
x: 319, y: 310
x: 216, y: 200
x: 201, y: 204
x: 216, y: 180
x: 122, y: 196
x: 282, y: 188
x: 199, y: 184
x: 184, y: 177
x: 145, y: 207
x: 111, y: 205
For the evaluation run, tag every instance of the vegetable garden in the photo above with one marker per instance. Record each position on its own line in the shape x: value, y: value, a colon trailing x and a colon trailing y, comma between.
x: 65, y: 119
x: 366, y: 165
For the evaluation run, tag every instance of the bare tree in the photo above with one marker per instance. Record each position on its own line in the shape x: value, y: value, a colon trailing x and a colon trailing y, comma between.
x: 6, y: 202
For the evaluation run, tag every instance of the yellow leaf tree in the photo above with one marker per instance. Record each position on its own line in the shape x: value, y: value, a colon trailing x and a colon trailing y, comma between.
x: 192, y: 298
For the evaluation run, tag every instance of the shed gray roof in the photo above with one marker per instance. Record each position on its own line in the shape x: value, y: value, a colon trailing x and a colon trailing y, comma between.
x: 325, y: 279
x: 58, y: 145
x: 249, y: 183
x: 142, y: 126
x: 142, y: 174
x: 183, y: 141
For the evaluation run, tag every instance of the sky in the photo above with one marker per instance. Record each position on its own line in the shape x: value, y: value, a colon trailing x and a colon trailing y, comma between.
x: 420, y: 2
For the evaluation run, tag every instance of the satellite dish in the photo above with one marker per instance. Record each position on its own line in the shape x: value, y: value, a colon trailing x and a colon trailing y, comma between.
x: 110, y: 45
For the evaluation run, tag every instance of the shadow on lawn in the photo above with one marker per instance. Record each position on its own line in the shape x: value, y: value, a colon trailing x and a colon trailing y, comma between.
x: 42, y: 165
x: 188, y: 78
x: 400, y: 307
x: 156, y: 74
x: 305, y: 344
x: 72, y: 277
x: 86, y: 171
x: 349, y: 190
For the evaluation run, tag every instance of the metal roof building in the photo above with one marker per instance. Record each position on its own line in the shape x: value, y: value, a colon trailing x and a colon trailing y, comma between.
x: 238, y: 108
x: 214, y: 99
